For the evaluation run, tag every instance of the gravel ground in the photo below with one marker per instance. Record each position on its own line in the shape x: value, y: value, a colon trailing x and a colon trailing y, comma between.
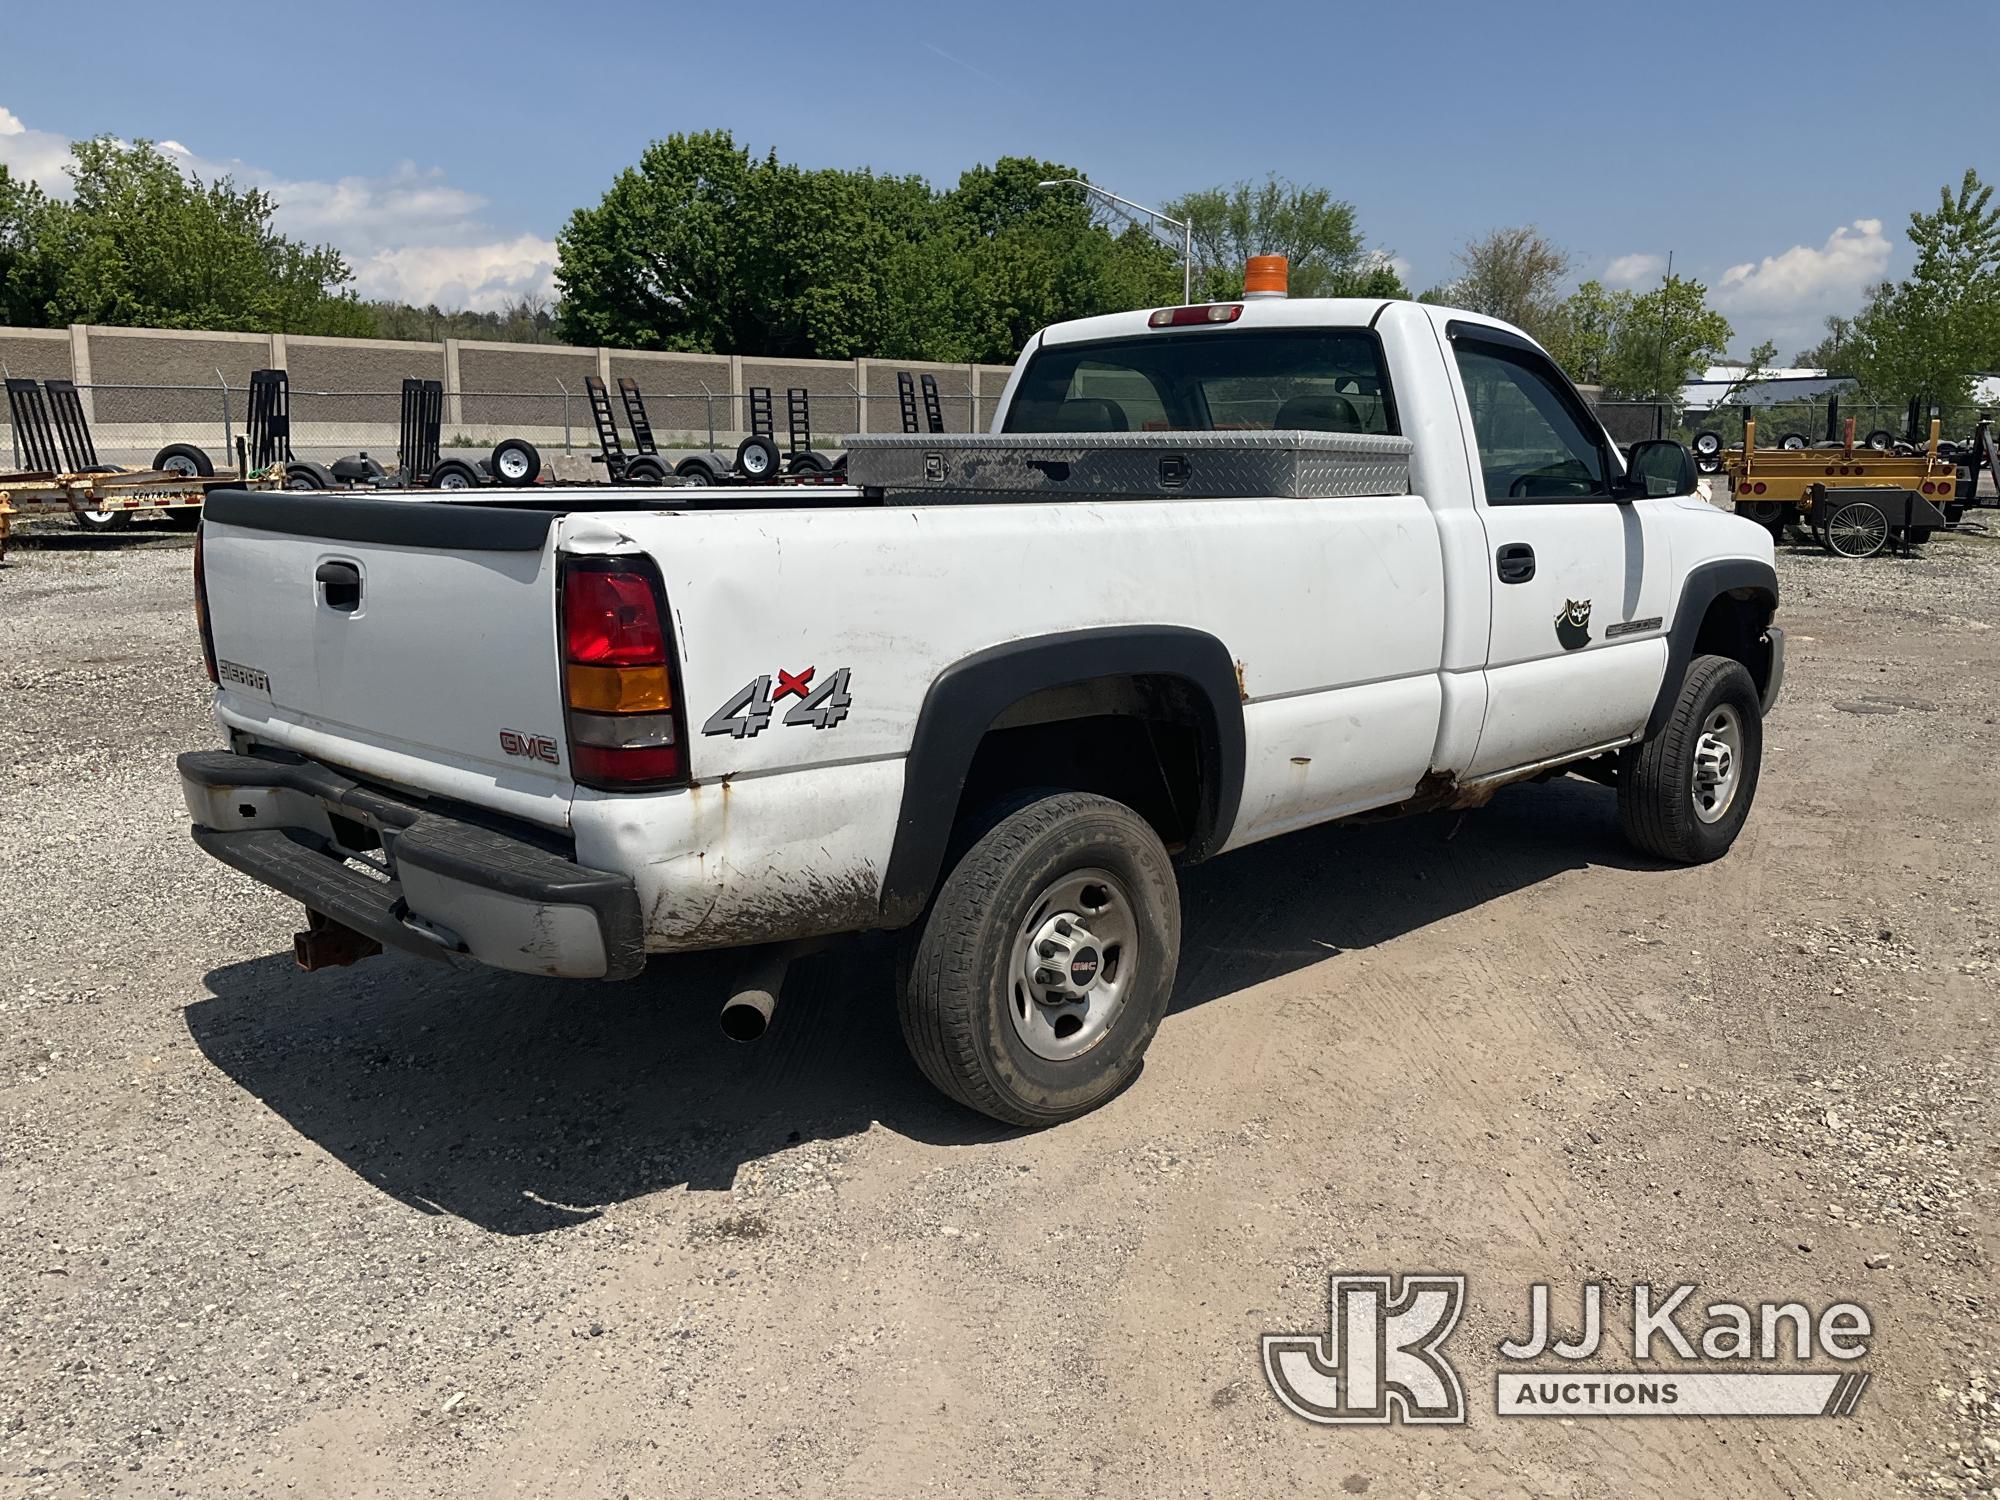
x: 395, y: 1230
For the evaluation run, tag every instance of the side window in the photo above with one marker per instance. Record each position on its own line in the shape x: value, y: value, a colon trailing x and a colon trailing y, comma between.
x: 1533, y: 444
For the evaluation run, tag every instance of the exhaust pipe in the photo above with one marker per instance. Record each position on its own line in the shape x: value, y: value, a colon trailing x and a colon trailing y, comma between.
x: 746, y: 1015
x: 327, y: 944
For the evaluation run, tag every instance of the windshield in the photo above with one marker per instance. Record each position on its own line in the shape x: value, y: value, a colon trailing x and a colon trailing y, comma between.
x: 1315, y: 379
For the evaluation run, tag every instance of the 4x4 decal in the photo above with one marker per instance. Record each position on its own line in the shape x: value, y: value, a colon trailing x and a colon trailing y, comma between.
x: 748, y: 713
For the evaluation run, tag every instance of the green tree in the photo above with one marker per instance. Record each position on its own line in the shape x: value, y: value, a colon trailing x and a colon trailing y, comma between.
x: 1665, y: 339
x: 1833, y: 353
x: 701, y: 247
x: 1929, y: 334
x: 1511, y: 274
x: 1313, y: 230
x: 1581, y: 329
x: 140, y: 244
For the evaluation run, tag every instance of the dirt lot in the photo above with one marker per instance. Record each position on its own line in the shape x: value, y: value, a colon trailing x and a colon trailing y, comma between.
x: 396, y: 1230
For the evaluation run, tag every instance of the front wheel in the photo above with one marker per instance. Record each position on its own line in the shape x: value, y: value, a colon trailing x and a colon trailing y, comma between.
x: 1037, y: 978
x: 1684, y: 792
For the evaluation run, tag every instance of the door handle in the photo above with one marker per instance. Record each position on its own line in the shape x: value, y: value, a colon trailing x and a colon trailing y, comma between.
x: 340, y: 586
x: 1515, y: 562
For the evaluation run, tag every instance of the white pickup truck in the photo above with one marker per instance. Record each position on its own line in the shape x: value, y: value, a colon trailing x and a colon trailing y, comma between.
x: 995, y: 697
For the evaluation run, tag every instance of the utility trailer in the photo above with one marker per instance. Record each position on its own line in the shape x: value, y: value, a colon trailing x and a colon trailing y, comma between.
x: 757, y: 462
x: 62, y: 474
x: 1856, y: 500
x: 513, y: 461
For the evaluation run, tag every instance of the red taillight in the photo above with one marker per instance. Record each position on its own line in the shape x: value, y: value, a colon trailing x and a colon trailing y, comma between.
x: 1743, y: 488
x: 612, y: 620
x: 1181, y: 317
x: 1757, y: 488
x: 201, y: 612
x: 626, y: 729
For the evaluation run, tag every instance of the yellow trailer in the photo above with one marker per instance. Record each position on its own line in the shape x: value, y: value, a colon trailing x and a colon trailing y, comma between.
x: 114, y: 493
x: 1855, y: 500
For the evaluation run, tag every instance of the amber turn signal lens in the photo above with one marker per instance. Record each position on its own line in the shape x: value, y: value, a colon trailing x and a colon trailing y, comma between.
x: 619, y: 690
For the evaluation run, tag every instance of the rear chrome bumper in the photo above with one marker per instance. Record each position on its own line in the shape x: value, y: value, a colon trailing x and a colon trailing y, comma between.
x: 445, y: 889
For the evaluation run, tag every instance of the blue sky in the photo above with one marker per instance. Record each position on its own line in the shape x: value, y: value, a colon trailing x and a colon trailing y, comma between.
x: 442, y: 145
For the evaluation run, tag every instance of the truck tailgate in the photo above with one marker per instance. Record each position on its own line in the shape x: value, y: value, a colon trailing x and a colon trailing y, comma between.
x: 409, y: 640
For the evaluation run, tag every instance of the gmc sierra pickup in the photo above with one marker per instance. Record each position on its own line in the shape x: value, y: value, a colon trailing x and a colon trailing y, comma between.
x: 1220, y: 573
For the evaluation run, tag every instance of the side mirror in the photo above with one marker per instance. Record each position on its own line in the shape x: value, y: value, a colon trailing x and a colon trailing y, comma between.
x: 1658, y: 468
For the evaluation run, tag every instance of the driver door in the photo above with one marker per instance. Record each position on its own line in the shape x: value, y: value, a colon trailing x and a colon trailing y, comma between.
x: 1579, y: 579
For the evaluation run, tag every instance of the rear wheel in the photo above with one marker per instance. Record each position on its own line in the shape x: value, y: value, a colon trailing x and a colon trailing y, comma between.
x: 1881, y: 440
x: 303, y: 474
x: 100, y: 520
x: 1683, y: 793
x: 454, y: 474
x: 1792, y: 442
x: 645, y: 469
x: 1036, y: 980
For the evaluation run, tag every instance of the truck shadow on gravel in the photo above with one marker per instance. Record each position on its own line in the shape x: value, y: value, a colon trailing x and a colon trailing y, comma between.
x: 525, y: 1105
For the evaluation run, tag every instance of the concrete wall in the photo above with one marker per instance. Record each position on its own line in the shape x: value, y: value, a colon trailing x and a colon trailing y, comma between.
x: 145, y: 387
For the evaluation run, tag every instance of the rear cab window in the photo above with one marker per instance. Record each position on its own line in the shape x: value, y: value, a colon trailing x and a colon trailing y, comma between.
x: 1248, y: 380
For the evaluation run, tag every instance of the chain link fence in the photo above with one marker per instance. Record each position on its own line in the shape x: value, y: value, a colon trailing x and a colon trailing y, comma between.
x: 130, y: 424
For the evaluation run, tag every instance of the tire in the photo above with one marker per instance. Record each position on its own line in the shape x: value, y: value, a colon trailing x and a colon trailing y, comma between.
x: 453, y: 474
x: 1707, y: 465
x: 1707, y: 444
x: 757, y: 458
x: 694, y: 471
x: 1792, y: 442
x: 515, y: 461
x: 1855, y: 530
x: 303, y: 474
x: 183, y: 517
x: 1660, y: 802
x: 808, y: 463
x: 184, y: 458
x: 100, y: 520
x: 1918, y: 535
x: 645, y: 469
x: 1881, y: 440
x: 971, y: 1013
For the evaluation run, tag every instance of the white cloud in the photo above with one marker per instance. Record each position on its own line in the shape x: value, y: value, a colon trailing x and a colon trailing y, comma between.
x: 1637, y: 269
x: 1804, y: 280
x: 410, y: 236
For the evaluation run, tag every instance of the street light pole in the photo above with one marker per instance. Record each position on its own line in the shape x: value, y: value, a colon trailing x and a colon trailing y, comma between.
x: 1186, y: 229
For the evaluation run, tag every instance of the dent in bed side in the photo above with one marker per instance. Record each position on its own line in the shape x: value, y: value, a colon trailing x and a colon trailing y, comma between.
x: 967, y: 698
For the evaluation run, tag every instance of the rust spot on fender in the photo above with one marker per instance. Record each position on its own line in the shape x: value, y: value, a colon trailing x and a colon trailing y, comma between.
x: 1241, y: 691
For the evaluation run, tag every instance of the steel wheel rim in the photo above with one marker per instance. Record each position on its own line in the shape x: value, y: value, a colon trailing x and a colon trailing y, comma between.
x: 513, y: 464
x: 1708, y: 445
x: 1718, y: 764
x: 1074, y: 960
x: 454, y: 482
x: 1857, y: 530
x: 755, y: 463
x: 96, y: 517
x: 179, y: 464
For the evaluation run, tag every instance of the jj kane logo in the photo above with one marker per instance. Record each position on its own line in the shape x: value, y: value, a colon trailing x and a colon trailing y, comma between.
x: 1382, y: 1357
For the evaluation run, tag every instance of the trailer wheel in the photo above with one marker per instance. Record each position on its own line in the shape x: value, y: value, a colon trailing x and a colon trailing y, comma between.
x: 454, y: 474
x: 1707, y: 443
x: 516, y: 461
x: 1881, y: 440
x: 1919, y: 534
x: 184, y: 459
x: 304, y: 474
x: 757, y: 457
x: 1792, y: 442
x: 694, y: 471
x: 1857, y: 529
x: 100, y: 520
x: 1033, y: 985
x: 808, y: 463
x: 645, y: 469
x: 183, y: 517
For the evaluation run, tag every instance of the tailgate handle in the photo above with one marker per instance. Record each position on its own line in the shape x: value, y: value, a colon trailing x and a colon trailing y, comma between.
x: 339, y: 586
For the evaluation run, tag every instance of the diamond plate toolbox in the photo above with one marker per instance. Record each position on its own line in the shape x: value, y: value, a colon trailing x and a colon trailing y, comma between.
x: 942, y: 467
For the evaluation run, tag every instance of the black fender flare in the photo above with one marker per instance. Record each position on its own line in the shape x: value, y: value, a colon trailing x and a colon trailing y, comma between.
x: 1704, y: 584
x: 967, y: 697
